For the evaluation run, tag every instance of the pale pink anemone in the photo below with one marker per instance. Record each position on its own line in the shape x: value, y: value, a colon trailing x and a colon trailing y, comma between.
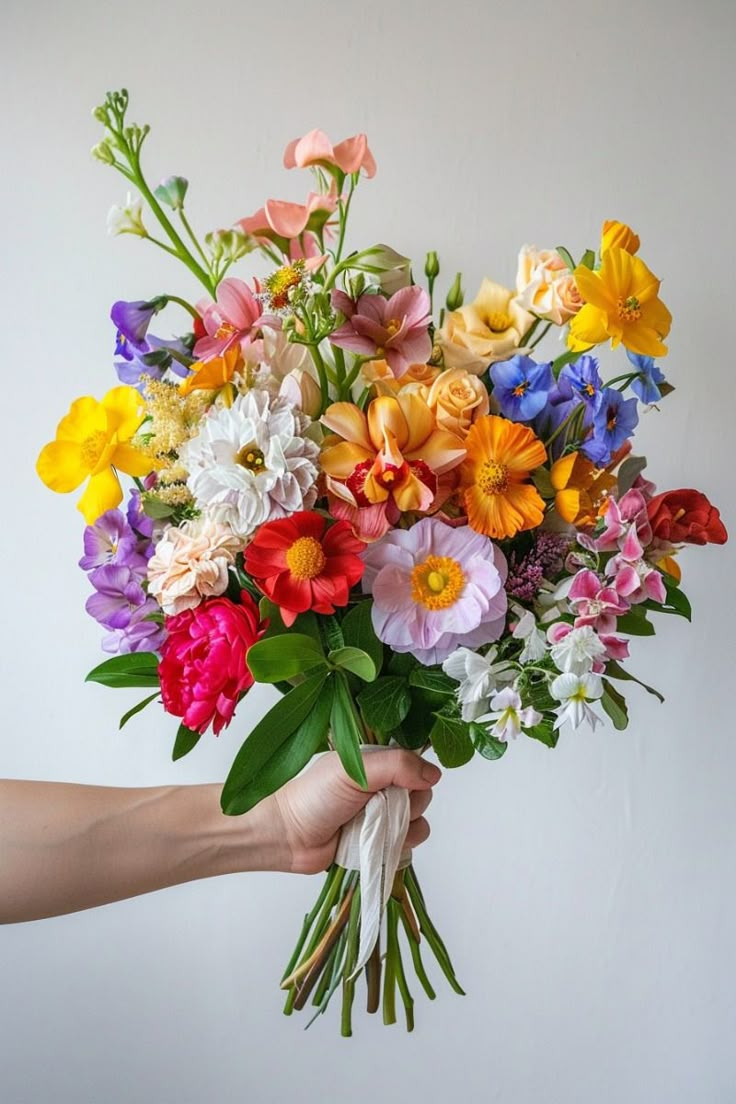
x: 292, y: 227
x: 435, y: 588
x: 396, y: 329
x: 315, y: 148
x: 234, y: 318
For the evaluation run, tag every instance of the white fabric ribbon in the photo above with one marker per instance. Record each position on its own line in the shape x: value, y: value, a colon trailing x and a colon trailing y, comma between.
x: 373, y: 843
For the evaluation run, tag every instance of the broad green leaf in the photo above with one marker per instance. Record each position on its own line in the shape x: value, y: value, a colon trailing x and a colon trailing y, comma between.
x: 155, y: 508
x: 567, y: 257
x: 268, y: 735
x: 283, y: 657
x: 137, y: 709
x: 677, y: 601
x: 628, y: 471
x: 133, y: 669
x: 432, y: 678
x: 288, y: 757
x: 306, y: 623
x: 412, y: 737
x: 354, y: 660
x: 357, y: 629
x: 451, y: 740
x: 614, y: 704
x: 543, y: 482
x: 487, y: 746
x: 401, y: 663
x: 346, y: 733
x: 544, y: 732
x: 635, y: 622
x: 385, y: 703
x: 186, y: 739
x: 615, y: 670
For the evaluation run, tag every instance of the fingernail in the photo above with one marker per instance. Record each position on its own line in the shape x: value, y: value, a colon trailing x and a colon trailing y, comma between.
x: 431, y: 773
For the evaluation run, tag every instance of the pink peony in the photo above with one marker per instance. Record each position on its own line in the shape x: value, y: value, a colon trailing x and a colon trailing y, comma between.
x: 396, y: 329
x: 436, y: 588
x: 203, y: 671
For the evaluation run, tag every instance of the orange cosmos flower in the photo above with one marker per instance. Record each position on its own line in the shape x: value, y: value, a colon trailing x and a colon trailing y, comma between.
x: 499, y: 500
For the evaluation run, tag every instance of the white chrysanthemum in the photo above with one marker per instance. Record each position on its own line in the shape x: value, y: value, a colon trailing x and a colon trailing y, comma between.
x: 252, y: 460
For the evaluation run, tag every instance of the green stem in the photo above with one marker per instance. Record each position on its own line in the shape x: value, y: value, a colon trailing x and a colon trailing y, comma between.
x: 348, y: 986
x: 429, y: 931
x: 193, y: 237
x: 416, y: 957
x: 310, y: 918
x: 389, y: 977
x: 321, y: 367
x: 393, y: 924
x: 563, y: 425
x: 529, y: 333
x: 183, y: 303
x: 542, y: 335
x: 344, y: 212
x: 627, y: 377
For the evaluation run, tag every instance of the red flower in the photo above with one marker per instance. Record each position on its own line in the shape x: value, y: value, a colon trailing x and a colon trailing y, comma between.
x: 203, y: 671
x: 301, y: 564
x: 685, y: 516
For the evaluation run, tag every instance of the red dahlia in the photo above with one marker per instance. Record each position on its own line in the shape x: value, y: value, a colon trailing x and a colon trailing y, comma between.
x: 304, y: 563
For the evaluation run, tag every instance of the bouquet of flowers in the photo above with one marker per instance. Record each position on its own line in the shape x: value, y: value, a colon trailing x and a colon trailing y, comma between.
x: 417, y: 527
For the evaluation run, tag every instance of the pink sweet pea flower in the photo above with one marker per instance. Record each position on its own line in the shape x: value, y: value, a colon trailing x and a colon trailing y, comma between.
x: 235, y: 317
x: 315, y: 148
x: 396, y: 328
x: 291, y: 226
x: 596, y: 604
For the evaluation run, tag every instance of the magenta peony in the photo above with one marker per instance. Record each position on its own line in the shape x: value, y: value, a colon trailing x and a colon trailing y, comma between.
x: 203, y: 671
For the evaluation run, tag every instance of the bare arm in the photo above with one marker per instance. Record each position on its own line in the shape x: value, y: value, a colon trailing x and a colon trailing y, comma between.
x: 66, y: 847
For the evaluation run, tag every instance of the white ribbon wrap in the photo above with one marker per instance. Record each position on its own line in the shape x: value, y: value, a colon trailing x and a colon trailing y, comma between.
x: 373, y: 843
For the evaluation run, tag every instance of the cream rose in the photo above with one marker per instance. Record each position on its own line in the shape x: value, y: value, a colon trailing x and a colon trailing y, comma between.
x: 191, y: 563
x: 490, y: 328
x: 457, y: 398
x: 544, y: 285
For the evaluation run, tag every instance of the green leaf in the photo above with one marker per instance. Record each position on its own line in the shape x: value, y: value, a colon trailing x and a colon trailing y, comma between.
x: 385, y: 703
x: 451, y: 740
x: 357, y: 629
x: 544, y: 732
x: 155, y: 508
x: 488, y: 746
x: 566, y: 256
x: 346, y: 733
x: 132, y: 669
x: 543, y: 482
x: 137, y: 709
x: 306, y: 623
x: 635, y: 622
x: 354, y: 660
x: 614, y: 704
x: 283, y: 657
x: 288, y: 757
x: 588, y: 258
x: 411, y: 738
x: 401, y: 663
x: 628, y: 471
x: 267, y: 736
x: 186, y: 739
x: 566, y: 358
x: 432, y: 678
x: 615, y: 670
x: 677, y: 602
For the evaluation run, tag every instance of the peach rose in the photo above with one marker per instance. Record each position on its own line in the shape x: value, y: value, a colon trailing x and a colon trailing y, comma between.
x: 544, y: 285
x: 457, y: 398
x: 419, y: 377
x: 490, y: 328
x: 191, y: 563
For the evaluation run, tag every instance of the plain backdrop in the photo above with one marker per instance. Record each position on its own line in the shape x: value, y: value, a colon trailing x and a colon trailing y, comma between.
x: 586, y: 894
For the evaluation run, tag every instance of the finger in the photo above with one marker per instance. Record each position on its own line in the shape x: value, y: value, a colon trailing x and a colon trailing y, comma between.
x: 396, y: 767
x: 418, y: 832
x: 418, y: 802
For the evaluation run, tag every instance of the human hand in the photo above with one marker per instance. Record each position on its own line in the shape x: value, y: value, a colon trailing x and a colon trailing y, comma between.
x: 310, y: 810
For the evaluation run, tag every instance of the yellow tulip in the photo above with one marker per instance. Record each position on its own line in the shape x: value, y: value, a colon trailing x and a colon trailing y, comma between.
x: 91, y: 442
x: 621, y: 302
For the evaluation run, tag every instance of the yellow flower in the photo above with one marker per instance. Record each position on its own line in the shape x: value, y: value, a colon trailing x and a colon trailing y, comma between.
x: 91, y: 441
x: 486, y: 330
x: 621, y: 302
x: 579, y: 487
x: 618, y: 235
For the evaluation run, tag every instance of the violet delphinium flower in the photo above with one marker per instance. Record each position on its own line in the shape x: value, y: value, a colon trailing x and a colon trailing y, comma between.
x: 118, y: 593
x: 396, y: 328
x: 152, y: 359
x: 132, y: 320
x: 111, y: 540
x: 521, y: 387
x: 613, y: 423
x: 646, y: 384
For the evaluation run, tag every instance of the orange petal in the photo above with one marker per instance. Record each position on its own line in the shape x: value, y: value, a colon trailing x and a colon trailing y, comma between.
x: 341, y: 460
x: 521, y: 450
x: 350, y: 422
x: 567, y: 504
x: 493, y: 515
x: 527, y: 501
x: 419, y: 419
x: 442, y: 451
x: 561, y: 470
x: 385, y: 413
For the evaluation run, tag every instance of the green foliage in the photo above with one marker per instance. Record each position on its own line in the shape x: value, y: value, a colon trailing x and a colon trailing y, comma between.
x: 588, y: 258
x: 137, y: 709
x: 614, y: 704
x: 566, y: 256
x: 185, y: 740
x: 544, y: 732
x: 451, y: 740
x: 354, y: 660
x: 636, y: 622
x: 615, y: 670
x: 565, y: 358
x: 432, y: 679
x: 134, y: 669
x: 276, y: 658
x: 485, y: 744
x: 306, y: 623
x: 676, y: 602
x: 347, y: 735
x: 385, y: 703
x: 357, y: 631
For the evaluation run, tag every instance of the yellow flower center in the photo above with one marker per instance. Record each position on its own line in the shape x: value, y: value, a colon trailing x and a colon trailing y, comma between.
x: 437, y: 583
x: 629, y: 309
x: 305, y: 559
x: 393, y: 326
x: 498, y: 321
x: 493, y: 478
x: 92, y: 448
x: 225, y: 330
x: 252, y: 459
x: 280, y: 283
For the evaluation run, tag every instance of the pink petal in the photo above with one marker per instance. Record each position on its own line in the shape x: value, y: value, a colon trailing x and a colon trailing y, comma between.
x: 586, y: 584
x: 353, y: 154
x: 286, y: 219
x: 237, y: 303
x: 346, y: 338
x: 313, y: 147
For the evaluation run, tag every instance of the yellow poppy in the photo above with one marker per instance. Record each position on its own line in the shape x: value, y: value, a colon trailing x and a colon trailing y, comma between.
x: 579, y: 488
x: 621, y: 302
x: 91, y: 441
x: 618, y: 235
x: 498, y: 499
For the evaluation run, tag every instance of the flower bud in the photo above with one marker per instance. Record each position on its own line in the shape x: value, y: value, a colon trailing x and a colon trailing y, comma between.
x: 171, y: 192
x: 230, y: 244
x: 102, y: 152
x: 432, y: 266
x: 617, y: 235
x: 302, y: 390
x: 455, y: 295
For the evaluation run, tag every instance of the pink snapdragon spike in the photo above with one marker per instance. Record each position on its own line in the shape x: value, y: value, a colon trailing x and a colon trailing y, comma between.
x: 315, y: 148
x: 396, y: 329
x: 596, y: 604
x: 235, y: 316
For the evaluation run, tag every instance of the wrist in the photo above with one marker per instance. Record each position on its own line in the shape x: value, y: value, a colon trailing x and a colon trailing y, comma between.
x: 232, y: 844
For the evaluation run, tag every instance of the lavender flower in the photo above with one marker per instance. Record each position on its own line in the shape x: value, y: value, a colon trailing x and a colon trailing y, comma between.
x: 111, y: 540
x: 140, y: 635
x: 544, y: 560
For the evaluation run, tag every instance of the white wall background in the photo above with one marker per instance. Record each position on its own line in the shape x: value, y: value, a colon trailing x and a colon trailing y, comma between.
x: 588, y: 894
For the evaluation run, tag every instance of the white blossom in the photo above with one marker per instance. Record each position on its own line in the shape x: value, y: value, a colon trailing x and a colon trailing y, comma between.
x: 507, y: 715
x: 573, y: 692
x: 577, y: 651
x: 478, y: 676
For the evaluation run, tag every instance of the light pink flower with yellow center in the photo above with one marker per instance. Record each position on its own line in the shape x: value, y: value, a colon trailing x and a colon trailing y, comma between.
x: 234, y: 318
x: 436, y: 588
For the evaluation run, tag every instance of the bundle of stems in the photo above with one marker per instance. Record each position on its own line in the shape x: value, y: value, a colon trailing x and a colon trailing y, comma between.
x: 326, y: 953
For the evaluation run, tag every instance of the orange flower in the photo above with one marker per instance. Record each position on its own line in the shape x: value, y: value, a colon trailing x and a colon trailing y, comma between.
x: 214, y: 374
x: 499, y: 500
x: 580, y: 488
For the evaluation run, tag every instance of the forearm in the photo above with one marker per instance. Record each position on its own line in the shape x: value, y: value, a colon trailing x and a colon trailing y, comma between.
x: 67, y: 847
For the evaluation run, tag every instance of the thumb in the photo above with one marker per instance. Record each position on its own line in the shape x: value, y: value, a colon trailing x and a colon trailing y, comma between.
x: 397, y: 767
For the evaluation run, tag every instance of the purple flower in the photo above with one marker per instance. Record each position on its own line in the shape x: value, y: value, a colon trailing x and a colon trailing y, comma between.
x: 111, y: 540
x: 141, y: 523
x: 132, y: 320
x: 544, y: 560
x: 139, y: 635
x: 646, y: 384
x: 613, y: 423
x: 521, y: 387
x: 581, y: 380
x: 119, y: 595
x: 152, y: 358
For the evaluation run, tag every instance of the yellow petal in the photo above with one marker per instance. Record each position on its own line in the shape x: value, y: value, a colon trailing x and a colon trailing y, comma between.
x: 442, y: 451
x: 131, y: 460
x: 341, y: 460
x: 567, y: 504
x: 587, y: 328
x: 86, y: 416
x: 561, y: 470
x: 644, y: 284
x: 103, y: 493
x: 593, y: 289
x: 61, y: 466
x: 492, y: 298
x: 618, y: 235
x: 386, y: 416
x: 124, y: 408
x: 418, y: 417
x: 347, y: 420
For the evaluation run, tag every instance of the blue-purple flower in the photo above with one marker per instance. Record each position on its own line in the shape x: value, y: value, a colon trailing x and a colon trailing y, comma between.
x: 581, y: 380
x: 613, y: 423
x: 152, y: 358
x: 646, y: 384
x: 111, y: 540
x: 521, y: 387
x: 132, y: 319
x: 141, y: 634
